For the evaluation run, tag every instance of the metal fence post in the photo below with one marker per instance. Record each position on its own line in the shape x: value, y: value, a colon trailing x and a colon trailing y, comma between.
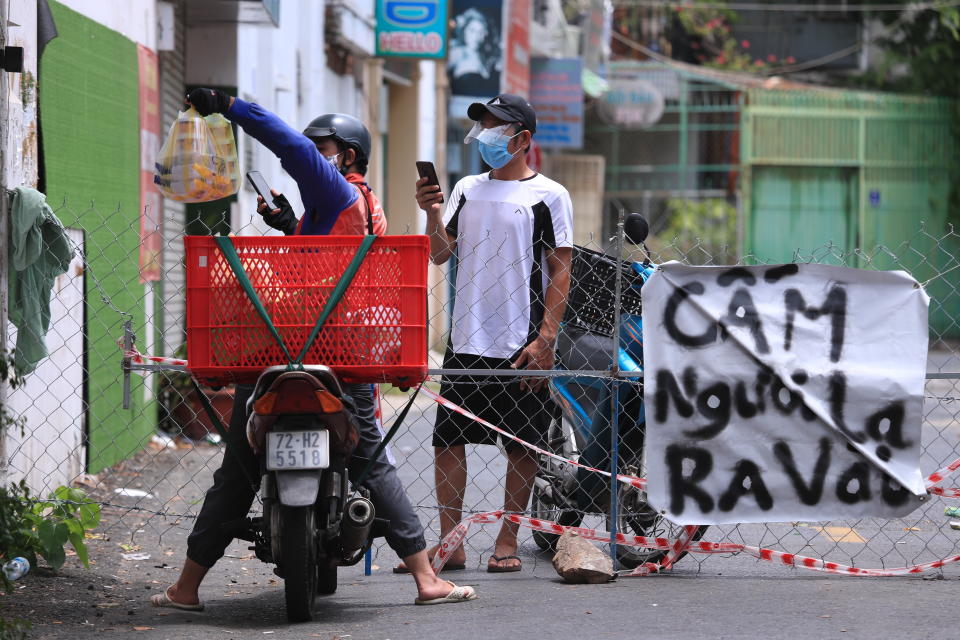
x: 4, y: 224
x: 615, y: 397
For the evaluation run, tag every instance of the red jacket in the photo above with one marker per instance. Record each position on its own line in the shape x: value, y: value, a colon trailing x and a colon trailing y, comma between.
x: 353, y: 221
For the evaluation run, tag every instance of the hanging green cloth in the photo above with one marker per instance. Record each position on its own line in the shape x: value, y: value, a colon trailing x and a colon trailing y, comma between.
x: 39, y: 252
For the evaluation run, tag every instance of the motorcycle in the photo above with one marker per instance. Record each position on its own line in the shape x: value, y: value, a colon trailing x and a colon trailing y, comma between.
x: 581, y: 415
x: 302, y: 430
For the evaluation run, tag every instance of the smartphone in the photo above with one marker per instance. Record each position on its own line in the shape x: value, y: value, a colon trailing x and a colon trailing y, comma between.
x: 260, y: 186
x: 428, y: 171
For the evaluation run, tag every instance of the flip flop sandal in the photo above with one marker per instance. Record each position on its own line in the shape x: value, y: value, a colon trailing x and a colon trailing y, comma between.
x: 446, y: 567
x: 163, y: 600
x: 457, y: 594
x: 496, y: 568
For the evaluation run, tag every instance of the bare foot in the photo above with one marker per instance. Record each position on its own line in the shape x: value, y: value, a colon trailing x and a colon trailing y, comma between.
x: 505, y: 551
x: 436, y: 589
x: 181, y: 597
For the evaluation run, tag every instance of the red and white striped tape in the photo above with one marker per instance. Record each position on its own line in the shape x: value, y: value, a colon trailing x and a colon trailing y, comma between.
x: 679, y: 546
x: 932, y: 481
x: 676, y: 547
x: 937, y: 477
x: 138, y: 358
x: 639, y: 483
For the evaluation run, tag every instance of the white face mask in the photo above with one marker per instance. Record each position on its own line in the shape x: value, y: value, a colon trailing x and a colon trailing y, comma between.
x: 333, y: 160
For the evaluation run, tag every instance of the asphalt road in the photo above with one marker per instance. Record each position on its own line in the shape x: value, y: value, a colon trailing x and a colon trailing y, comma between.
x: 702, y: 597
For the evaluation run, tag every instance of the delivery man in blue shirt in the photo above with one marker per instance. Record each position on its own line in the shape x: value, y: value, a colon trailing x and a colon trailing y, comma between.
x: 328, y: 161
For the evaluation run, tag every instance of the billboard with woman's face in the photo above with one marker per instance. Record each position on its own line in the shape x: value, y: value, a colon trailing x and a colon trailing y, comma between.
x: 475, y: 60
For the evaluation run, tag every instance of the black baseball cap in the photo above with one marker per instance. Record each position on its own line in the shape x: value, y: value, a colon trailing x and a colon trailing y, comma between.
x: 507, y: 107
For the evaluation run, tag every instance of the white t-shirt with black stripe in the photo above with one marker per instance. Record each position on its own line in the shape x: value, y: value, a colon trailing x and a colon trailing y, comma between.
x: 502, y: 229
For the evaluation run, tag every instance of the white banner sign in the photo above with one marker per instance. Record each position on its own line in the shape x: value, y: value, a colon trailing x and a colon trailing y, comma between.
x: 783, y: 393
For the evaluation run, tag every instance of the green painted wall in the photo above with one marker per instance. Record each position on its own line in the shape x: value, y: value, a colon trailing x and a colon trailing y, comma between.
x: 89, y: 120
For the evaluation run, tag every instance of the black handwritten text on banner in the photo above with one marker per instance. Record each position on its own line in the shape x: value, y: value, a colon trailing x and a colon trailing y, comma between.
x: 781, y: 393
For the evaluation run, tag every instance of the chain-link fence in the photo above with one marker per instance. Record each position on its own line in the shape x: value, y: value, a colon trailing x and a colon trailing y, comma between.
x: 150, y: 465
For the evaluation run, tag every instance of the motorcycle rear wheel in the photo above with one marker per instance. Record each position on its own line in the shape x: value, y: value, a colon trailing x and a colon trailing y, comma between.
x: 298, y: 547
x: 326, y: 578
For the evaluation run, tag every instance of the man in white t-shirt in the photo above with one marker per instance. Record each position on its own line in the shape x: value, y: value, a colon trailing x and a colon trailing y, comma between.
x: 512, y: 231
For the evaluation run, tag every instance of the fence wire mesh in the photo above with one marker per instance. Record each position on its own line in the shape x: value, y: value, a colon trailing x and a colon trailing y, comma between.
x: 150, y: 465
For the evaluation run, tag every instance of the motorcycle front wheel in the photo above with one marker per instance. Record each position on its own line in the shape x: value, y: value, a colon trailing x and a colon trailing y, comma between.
x: 636, y: 517
x: 543, y: 509
x: 298, y: 546
x: 542, y: 506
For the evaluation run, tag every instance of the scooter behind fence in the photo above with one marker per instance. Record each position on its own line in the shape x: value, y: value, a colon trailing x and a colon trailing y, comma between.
x: 580, y: 425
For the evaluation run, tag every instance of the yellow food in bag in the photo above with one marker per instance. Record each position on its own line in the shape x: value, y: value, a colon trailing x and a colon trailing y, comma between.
x: 198, y: 161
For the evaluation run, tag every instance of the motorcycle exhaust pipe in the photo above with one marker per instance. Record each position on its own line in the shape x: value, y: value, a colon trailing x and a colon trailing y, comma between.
x: 358, y: 515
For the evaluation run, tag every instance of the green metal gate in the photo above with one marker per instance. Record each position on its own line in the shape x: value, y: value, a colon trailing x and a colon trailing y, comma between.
x: 856, y: 169
x: 801, y: 207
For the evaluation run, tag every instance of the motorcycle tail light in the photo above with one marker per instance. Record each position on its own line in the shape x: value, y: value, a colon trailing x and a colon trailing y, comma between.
x: 297, y: 398
x: 329, y: 402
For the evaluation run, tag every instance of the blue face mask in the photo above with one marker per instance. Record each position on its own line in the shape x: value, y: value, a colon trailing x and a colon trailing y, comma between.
x: 493, y: 150
x: 494, y: 155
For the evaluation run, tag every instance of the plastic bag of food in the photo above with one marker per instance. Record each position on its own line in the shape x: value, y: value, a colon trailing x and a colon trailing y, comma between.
x: 198, y: 161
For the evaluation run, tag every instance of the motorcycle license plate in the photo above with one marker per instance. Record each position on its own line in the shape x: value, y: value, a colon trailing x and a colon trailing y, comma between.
x: 298, y: 450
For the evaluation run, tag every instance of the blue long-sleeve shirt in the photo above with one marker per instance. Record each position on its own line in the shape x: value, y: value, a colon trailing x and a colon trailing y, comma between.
x: 324, y: 192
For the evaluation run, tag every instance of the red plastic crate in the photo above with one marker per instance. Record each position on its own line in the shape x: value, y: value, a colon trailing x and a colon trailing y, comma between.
x: 377, y: 333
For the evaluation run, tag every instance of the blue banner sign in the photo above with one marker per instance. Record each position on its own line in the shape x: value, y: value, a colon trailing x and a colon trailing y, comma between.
x: 556, y: 94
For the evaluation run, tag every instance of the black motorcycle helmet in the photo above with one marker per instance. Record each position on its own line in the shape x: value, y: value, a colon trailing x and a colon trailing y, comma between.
x: 346, y: 130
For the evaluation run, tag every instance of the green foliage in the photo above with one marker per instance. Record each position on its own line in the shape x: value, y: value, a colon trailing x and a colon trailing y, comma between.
x: 927, y: 43
x: 702, y: 230
x: 32, y: 528
x: 13, y: 629
x: 709, y: 28
x: 16, y: 534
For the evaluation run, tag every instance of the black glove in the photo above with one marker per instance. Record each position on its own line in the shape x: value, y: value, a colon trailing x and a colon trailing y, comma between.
x: 207, y: 101
x: 284, y: 220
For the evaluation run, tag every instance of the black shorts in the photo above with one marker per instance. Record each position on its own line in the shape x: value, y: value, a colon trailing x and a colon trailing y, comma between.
x: 498, y: 400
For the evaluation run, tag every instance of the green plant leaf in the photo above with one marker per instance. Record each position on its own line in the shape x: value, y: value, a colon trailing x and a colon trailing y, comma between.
x: 74, y: 527
x: 53, y: 535
x: 81, y: 548
x: 90, y: 515
x: 40, y: 506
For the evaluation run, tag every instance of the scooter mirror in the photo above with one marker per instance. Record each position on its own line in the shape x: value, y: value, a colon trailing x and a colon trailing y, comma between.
x: 635, y: 228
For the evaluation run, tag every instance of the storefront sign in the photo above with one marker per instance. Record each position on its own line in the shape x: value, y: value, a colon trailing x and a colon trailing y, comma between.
x: 517, y: 51
x: 151, y: 218
x: 412, y: 28
x: 556, y: 94
x: 631, y: 103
